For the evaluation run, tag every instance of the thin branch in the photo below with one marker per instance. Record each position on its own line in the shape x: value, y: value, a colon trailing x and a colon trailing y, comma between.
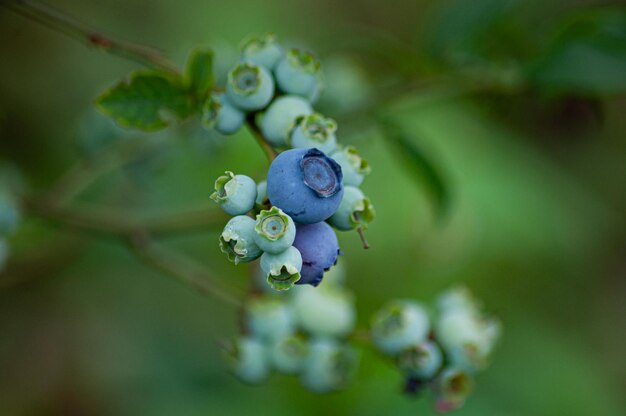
x: 269, y: 150
x: 180, y: 267
x: 60, y: 21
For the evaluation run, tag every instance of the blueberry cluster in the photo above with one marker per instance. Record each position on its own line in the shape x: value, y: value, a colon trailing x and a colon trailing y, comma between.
x: 441, y: 351
x: 302, y: 332
x: 311, y: 186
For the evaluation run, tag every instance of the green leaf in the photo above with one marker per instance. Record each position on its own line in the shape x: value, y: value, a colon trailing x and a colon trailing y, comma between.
x: 424, y: 170
x: 147, y: 101
x: 588, y: 56
x: 199, y: 72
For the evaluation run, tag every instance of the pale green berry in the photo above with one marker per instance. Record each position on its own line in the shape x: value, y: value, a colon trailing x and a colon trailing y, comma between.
x: 421, y: 360
x: 249, y: 87
x: 262, y: 50
x: 353, y: 166
x: 218, y: 113
x: 325, y: 310
x: 237, y: 240
x: 282, y: 269
x: 235, y: 193
x: 457, y: 299
x: 275, y: 231
x: 10, y: 216
x: 4, y: 253
x: 355, y: 210
x: 248, y: 360
x: 269, y: 319
x: 281, y: 116
x: 316, y: 131
x: 399, y: 325
x: 288, y: 354
x: 467, y: 338
x: 330, y: 365
x: 452, y: 387
x: 298, y: 72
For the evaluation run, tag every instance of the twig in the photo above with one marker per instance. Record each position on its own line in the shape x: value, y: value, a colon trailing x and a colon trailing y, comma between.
x: 269, y: 150
x: 63, y: 23
x: 361, y: 233
x: 182, y: 268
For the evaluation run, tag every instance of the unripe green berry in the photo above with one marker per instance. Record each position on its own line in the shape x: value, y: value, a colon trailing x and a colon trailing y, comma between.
x: 262, y: 50
x: 249, y: 87
x: 275, y: 231
x: 282, y: 269
x: 325, y: 310
x: 452, y: 387
x: 353, y: 166
x: 248, y: 360
x: 281, y: 116
x: 315, y: 131
x: 355, y: 210
x: 329, y: 366
x: 218, y: 113
x: 288, y: 354
x: 399, y: 325
x: 298, y: 72
x: 269, y: 319
x: 421, y: 360
x: 235, y: 193
x: 237, y: 240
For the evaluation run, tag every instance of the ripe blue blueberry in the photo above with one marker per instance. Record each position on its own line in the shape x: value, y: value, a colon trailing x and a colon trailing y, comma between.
x: 355, y: 210
x: 319, y: 248
x: 451, y: 388
x: 275, y: 231
x: 421, y: 360
x: 298, y: 72
x: 399, y: 325
x: 218, y: 113
x: 353, y: 166
x: 329, y: 366
x: 288, y: 354
x: 269, y: 319
x: 315, y: 131
x: 249, y: 87
x: 237, y: 240
x: 248, y: 360
x: 236, y: 194
x: 281, y: 116
x: 306, y: 184
x: 324, y: 311
x: 282, y: 269
x: 262, y: 50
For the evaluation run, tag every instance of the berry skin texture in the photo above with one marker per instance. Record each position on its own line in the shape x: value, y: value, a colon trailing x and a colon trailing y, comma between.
x: 220, y: 114
x: 235, y: 193
x: 298, y: 72
x: 237, y: 240
x: 275, y: 231
x: 269, y: 319
x: 288, y: 354
x: 329, y: 367
x: 281, y: 116
x: 262, y: 50
x: 315, y: 131
x: 399, y: 325
x: 249, y: 361
x: 249, y: 87
x: 282, y: 269
x: 353, y: 166
x: 355, y: 210
x: 306, y: 184
x: 421, y: 360
x: 319, y: 248
x: 324, y: 311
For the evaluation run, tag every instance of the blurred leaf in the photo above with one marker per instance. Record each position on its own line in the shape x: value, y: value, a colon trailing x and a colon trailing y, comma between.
x: 587, y: 56
x: 421, y: 165
x: 199, y: 72
x: 147, y: 101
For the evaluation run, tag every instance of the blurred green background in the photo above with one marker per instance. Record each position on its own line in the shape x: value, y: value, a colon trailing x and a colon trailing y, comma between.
x: 518, y: 104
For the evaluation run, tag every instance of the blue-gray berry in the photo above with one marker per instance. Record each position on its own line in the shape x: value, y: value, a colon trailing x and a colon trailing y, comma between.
x: 280, y: 118
x: 353, y: 166
x: 329, y: 366
x: 316, y: 131
x: 324, y: 311
x: 262, y: 50
x: 269, y: 319
x: 288, y: 354
x: 250, y: 87
x: 298, y: 72
x: 237, y: 240
x: 248, y: 360
x: 421, y: 360
x: 355, y: 210
x: 236, y: 194
x: 283, y: 269
x: 399, y: 325
x: 220, y: 114
x: 275, y: 230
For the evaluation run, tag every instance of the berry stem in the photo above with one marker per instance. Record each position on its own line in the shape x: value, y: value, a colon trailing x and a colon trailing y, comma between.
x: 61, y: 22
x: 361, y: 233
x: 270, y: 152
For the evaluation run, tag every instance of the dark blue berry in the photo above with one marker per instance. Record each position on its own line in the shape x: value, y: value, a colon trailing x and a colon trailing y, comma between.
x: 319, y: 248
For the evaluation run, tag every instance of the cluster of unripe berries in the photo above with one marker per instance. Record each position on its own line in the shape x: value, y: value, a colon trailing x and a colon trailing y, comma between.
x: 301, y: 332
x: 441, y: 351
x: 311, y: 185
